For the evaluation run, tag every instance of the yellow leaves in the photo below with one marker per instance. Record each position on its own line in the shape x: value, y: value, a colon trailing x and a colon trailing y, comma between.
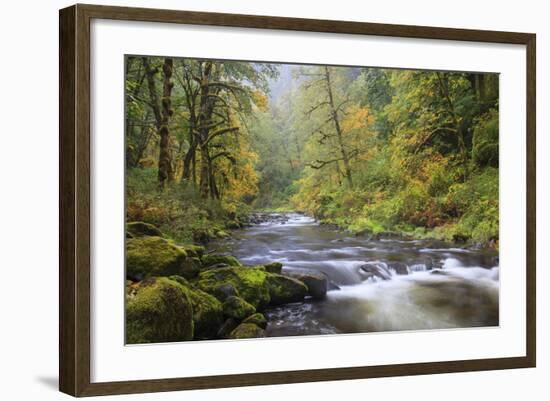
x: 357, y: 118
x: 260, y: 100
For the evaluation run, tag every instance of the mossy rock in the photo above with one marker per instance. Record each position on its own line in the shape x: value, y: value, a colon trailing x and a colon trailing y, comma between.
x: 156, y: 256
x: 159, y: 311
x: 207, y: 311
x: 195, y: 251
x: 258, y: 319
x: 140, y: 229
x: 227, y: 327
x: 222, y: 234
x: 203, y: 235
x: 224, y: 291
x: 249, y: 283
x: 232, y: 224
x: 180, y: 280
x: 237, y: 308
x: 207, y: 314
x: 284, y: 290
x: 247, y: 330
x: 220, y: 261
x: 316, y: 282
x: 274, y: 267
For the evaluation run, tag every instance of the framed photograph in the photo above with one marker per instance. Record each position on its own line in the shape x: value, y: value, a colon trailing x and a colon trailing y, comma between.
x: 250, y: 200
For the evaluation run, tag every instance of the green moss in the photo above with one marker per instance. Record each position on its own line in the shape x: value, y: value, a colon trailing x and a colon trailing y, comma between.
x: 232, y: 224
x: 258, y: 319
x: 247, y: 330
x: 180, y: 280
x: 250, y: 283
x: 140, y: 229
x: 160, y: 310
x: 207, y: 310
x: 207, y: 314
x: 274, y: 267
x: 283, y: 289
x: 222, y: 234
x: 195, y: 251
x: 212, y: 260
x: 237, y: 308
x: 156, y: 256
x: 227, y: 327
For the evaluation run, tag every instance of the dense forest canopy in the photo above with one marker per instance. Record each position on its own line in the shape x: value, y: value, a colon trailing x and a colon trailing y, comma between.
x: 371, y: 150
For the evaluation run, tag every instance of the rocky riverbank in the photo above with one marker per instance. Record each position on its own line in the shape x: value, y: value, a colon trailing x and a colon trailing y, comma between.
x: 178, y: 293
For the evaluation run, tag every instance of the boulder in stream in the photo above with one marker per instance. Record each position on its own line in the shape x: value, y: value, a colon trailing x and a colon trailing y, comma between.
x: 247, y: 330
x: 399, y: 268
x: 316, y: 282
x: 284, y: 290
x: 237, y: 308
x: 258, y: 319
x: 249, y: 283
x: 274, y: 267
x: 227, y: 327
x: 375, y: 270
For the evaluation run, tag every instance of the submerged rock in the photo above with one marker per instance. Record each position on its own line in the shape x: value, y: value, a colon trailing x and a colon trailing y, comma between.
x: 374, y: 270
x: 332, y: 286
x: 140, y: 229
x: 399, y: 268
x: 439, y: 272
x: 159, y: 310
x: 247, y: 330
x: 284, y: 290
x: 156, y: 256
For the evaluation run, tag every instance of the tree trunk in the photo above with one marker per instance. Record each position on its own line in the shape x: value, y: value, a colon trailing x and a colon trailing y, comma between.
x: 205, y: 114
x: 144, y: 138
x: 204, y: 172
x: 189, y: 159
x: 334, y: 116
x: 445, y: 93
x: 165, y: 163
x: 162, y: 112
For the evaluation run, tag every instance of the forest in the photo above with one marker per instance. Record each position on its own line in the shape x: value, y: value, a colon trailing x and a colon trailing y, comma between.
x: 265, y: 199
x: 372, y: 151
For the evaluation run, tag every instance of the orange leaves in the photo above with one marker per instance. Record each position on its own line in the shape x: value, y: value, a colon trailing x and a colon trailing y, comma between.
x: 357, y: 118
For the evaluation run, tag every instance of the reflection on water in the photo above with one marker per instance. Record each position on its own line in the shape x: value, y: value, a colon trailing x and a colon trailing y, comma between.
x: 378, y: 285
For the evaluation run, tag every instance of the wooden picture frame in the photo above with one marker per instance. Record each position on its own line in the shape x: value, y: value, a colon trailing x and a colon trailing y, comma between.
x: 74, y: 204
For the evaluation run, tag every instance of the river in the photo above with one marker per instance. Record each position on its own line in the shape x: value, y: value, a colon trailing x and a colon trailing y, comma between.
x: 406, y: 285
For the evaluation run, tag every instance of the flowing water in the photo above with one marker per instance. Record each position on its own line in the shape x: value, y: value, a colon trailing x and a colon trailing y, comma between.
x: 374, y: 285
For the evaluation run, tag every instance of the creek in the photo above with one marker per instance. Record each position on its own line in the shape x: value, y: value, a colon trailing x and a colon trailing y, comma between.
x: 374, y: 284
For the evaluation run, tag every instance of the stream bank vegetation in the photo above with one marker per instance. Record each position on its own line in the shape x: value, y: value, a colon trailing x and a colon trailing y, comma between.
x: 378, y: 152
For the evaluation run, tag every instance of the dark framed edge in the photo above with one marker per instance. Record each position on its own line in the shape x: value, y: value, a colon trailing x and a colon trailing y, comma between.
x: 74, y: 199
